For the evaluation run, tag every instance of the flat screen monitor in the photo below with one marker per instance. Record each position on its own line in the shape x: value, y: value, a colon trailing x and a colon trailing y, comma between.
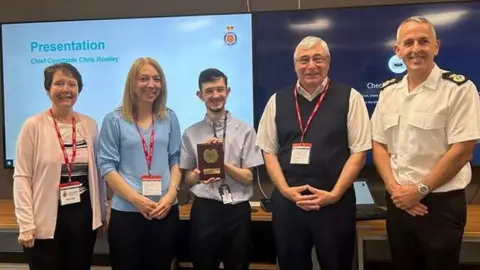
x: 104, y: 50
x: 361, y: 46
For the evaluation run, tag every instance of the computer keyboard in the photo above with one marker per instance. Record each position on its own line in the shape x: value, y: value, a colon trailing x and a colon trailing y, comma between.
x: 266, y: 204
x: 370, y: 213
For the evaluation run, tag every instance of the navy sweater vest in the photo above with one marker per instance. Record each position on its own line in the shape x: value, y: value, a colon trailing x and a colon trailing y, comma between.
x: 327, y: 133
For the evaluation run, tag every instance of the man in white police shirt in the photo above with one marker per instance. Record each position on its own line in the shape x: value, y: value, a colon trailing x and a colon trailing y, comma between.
x: 314, y: 136
x: 425, y: 127
x: 220, y: 225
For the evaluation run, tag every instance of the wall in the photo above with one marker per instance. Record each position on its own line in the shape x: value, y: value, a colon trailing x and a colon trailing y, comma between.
x: 27, y: 10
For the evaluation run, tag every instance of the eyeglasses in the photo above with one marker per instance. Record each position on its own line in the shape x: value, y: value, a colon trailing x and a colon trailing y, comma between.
x: 317, y: 59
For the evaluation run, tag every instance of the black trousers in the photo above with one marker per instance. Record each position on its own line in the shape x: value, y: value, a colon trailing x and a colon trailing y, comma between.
x: 220, y: 232
x: 331, y: 230
x: 72, y: 245
x: 138, y: 243
x: 431, y: 242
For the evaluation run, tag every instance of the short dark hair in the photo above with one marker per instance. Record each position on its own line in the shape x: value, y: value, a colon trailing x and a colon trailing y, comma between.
x: 66, y: 68
x: 211, y: 75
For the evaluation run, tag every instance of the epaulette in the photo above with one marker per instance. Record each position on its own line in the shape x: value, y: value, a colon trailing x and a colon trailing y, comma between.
x: 390, y: 82
x: 456, y: 78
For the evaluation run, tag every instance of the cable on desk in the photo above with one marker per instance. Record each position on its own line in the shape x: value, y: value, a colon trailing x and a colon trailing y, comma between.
x: 260, y: 184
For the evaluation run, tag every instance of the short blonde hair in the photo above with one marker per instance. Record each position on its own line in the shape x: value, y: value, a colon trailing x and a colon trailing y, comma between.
x: 128, y: 107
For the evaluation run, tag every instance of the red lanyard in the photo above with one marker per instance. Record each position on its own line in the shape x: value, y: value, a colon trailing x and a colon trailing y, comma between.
x: 148, y: 155
x: 62, y: 145
x: 315, y: 109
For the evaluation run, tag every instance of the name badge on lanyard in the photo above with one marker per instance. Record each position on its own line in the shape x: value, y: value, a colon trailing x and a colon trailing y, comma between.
x: 301, y: 151
x: 151, y: 184
x: 69, y: 192
x: 226, y: 194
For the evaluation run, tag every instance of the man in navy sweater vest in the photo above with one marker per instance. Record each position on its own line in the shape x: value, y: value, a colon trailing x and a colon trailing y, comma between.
x: 314, y: 146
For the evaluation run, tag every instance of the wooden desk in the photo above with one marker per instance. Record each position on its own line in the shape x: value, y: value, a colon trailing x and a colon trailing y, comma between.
x: 376, y: 230
x: 8, y: 222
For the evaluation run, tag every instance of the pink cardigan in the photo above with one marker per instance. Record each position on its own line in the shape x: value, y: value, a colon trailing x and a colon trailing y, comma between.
x: 37, y: 175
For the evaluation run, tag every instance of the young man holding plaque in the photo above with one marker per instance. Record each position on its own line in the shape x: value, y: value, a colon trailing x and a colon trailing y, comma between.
x: 218, y: 154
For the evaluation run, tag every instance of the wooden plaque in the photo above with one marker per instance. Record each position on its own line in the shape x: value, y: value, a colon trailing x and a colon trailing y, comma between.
x: 210, y: 160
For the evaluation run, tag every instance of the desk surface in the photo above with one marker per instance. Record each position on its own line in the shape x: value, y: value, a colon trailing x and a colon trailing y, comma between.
x: 370, y: 228
x: 9, y: 222
x: 7, y: 215
x: 377, y: 227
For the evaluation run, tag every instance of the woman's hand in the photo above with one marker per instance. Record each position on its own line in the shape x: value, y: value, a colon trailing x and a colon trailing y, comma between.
x: 144, y: 205
x: 27, y: 238
x: 164, y: 206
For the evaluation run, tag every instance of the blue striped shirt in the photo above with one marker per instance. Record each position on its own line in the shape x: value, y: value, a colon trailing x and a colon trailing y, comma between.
x: 240, y: 151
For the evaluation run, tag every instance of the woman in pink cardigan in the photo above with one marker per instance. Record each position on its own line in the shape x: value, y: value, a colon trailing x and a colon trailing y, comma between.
x: 59, y: 198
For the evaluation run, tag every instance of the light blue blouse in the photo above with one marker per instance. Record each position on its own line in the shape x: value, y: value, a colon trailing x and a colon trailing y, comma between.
x: 120, y: 149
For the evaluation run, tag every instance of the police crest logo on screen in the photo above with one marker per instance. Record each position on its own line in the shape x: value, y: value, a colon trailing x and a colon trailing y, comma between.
x: 230, y: 38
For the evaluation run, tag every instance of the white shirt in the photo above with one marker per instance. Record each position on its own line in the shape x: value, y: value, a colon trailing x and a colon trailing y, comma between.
x: 418, y: 127
x: 358, y: 126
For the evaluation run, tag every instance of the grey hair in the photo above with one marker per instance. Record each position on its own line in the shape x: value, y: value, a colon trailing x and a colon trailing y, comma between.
x: 310, y: 42
x: 418, y: 19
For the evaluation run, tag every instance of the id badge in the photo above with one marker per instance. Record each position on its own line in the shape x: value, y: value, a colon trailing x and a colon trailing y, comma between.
x: 69, y: 193
x: 226, y: 194
x: 300, y: 153
x: 151, y: 185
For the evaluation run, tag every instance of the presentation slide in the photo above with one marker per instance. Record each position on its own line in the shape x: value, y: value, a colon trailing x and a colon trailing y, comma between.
x: 361, y: 43
x: 104, y: 50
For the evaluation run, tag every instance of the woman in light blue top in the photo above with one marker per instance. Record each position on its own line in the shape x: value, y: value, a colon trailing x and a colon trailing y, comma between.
x: 138, y: 156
